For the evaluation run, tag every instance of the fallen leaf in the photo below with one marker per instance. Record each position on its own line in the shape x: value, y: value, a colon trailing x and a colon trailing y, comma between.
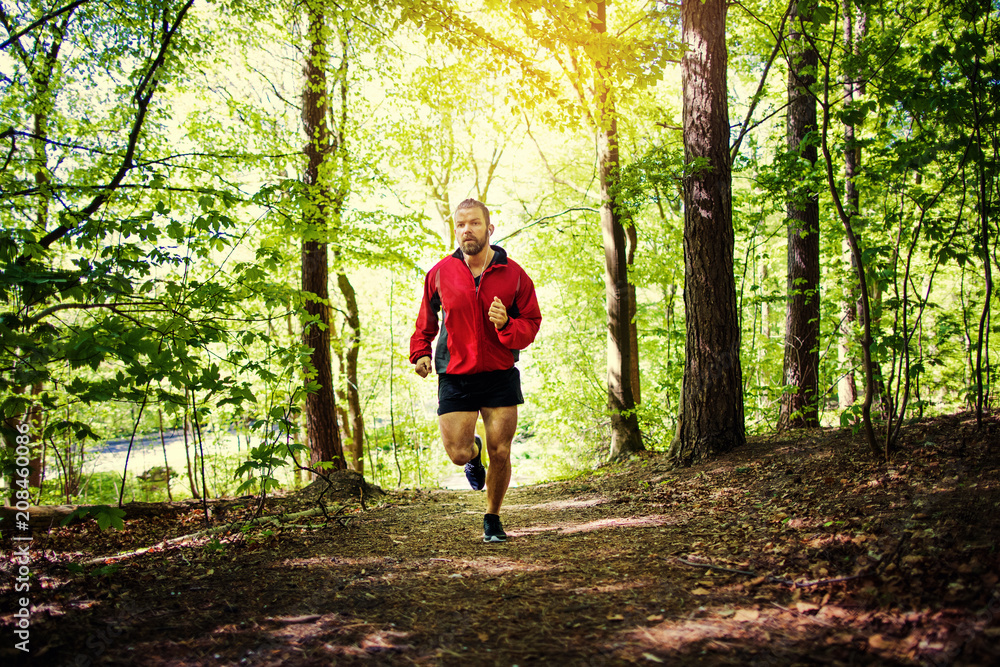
x: 651, y: 657
x: 654, y: 618
x: 743, y: 615
x: 881, y: 642
x: 804, y: 607
x: 701, y: 591
x: 833, y: 612
x: 615, y: 617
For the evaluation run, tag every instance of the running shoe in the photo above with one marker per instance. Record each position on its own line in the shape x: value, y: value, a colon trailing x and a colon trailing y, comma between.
x: 475, y: 471
x: 493, y: 529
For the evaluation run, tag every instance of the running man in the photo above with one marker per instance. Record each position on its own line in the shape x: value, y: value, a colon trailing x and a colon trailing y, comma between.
x: 488, y: 312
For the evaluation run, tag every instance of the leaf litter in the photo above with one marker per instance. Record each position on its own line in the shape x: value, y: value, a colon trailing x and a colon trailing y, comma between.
x: 796, y: 549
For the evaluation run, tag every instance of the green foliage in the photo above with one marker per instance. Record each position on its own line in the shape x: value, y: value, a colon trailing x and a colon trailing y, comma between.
x: 274, y: 451
x: 99, y: 571
x: 106, y: 516
x: 149, y: 243
x: 215, y: 547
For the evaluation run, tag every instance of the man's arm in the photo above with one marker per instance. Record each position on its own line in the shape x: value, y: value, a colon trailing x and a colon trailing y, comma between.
x: 423, y: 367
x: 426, y: 328
x: 519, y: 332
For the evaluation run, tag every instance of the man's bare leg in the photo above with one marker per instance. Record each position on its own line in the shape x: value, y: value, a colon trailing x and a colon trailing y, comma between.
x: 458, y: 432
x: 501, y: 425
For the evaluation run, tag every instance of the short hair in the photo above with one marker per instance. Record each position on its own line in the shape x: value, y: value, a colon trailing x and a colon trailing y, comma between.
x: 475, y: 203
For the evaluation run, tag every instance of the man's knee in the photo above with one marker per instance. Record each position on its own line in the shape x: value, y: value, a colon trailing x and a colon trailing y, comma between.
x: 459, y: 452
x: 459, y: 458
x: 498, y: 452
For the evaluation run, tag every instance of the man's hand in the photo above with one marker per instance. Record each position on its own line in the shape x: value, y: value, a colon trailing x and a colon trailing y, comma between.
x: 423, y: 366
x: 498, y: 313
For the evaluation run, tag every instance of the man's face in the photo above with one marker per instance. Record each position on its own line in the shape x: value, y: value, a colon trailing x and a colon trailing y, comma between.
x: 471, y: 230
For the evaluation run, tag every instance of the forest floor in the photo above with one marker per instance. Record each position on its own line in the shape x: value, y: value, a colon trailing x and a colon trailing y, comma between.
x: 796, y: 549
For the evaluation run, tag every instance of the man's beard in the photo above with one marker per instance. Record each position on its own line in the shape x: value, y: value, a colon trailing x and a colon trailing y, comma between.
x: 473, y: 246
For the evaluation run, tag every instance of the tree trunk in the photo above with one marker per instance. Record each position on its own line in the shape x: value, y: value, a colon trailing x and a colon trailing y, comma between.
x: 799, y: 408
x: 166, y: 462
x: 620, y: 295
x: 625, y: 436
x: 847, y: 387
x: 986, y: 187
x: 356, y: 424
x: 847, y: 216
x: 353, y: 431
x: 711, y: 408
x: 42, y: 66
x: 187, y: 449
x: 854, y: 29
x: 321, y: 415
x: 633, y: 328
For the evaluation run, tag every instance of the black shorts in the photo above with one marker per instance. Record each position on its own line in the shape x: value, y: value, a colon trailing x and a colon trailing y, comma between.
x: 468, y: 393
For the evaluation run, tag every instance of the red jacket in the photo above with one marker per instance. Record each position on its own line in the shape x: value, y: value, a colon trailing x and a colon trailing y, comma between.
x: 468, y: 341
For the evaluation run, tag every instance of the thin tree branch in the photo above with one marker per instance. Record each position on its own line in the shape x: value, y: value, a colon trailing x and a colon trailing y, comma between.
x: 48, y: 17
x: 42, y: 314
x: 757, y: 96
x: 142, y: 97
x: 548, y: 217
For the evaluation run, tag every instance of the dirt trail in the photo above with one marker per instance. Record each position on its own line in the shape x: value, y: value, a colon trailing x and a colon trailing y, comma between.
x: 818, y: 557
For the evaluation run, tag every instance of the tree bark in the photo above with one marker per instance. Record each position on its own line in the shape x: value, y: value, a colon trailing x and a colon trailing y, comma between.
x: 711, y: 408
x: 847, y: 387
x: 799, y: 408
x: 625, y: 436
x: 321, y: 416
x: 847, y: 216
x: 356, y: 422
x: 854, y: 29
x: 187, y: 450
x: 620, y: 295
x: 633, y: 327
x: 40, y: 62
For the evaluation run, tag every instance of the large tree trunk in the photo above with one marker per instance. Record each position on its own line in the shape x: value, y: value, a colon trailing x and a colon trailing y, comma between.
x: 711, y: 408
x: 321, y: 416
x: 799, y: 408
x: 620, y: 295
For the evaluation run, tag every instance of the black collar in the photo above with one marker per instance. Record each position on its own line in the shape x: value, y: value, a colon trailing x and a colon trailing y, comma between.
x: 499, y: 257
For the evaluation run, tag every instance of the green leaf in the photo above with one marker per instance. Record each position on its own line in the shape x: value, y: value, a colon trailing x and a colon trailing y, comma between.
x: 107, y: 516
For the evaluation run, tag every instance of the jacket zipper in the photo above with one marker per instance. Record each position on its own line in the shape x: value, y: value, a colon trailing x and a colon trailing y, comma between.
x: 480, y: 334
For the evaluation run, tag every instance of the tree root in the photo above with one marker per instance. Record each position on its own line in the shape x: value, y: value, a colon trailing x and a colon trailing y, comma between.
x: 274, y: 519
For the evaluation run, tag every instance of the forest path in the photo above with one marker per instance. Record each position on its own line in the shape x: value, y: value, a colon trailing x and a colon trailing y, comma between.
x: 894, y: 564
